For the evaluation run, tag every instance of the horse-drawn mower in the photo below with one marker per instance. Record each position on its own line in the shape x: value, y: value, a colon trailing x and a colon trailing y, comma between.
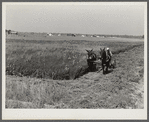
x: 95, y: 63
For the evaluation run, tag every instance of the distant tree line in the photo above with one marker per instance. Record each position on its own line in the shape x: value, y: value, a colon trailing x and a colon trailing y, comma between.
x: 8, y: 31
x: 93, y: 35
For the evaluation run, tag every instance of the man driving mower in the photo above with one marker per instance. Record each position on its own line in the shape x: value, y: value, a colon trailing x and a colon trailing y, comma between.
x: 109, y: 53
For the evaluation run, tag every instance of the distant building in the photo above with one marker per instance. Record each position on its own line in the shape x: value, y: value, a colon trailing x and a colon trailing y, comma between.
x: 50, y: 34
x: 71, y: 35
x: 11, y: 32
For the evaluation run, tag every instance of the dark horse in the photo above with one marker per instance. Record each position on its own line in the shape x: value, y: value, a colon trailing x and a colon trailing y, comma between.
x: 105, y: 60
x: 90, y: 60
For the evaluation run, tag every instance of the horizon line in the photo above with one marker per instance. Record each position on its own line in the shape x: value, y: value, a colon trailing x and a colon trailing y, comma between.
x: 77, y: 33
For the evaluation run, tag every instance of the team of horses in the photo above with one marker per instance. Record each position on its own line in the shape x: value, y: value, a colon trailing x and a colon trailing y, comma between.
x: 103, y: 58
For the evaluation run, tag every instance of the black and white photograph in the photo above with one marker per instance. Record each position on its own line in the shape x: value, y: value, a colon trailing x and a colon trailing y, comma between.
x: 74, y: 60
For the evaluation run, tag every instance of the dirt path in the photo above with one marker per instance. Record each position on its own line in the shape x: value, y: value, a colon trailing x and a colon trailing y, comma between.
x: 123, y: 87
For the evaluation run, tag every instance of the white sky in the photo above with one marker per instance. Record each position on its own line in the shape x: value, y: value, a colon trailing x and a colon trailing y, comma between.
x: 76, y: 18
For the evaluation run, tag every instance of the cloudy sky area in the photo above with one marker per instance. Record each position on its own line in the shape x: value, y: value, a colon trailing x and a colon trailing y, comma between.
x: 85, y: 19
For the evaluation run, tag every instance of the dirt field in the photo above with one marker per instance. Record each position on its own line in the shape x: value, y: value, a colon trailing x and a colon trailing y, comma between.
x: 122, y: 87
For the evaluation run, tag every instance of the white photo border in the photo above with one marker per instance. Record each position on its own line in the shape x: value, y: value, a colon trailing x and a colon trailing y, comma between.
x: 73, y: 114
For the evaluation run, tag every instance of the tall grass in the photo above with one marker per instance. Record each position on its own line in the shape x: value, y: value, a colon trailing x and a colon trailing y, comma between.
x: 36, y: 92
x: 54, y: 59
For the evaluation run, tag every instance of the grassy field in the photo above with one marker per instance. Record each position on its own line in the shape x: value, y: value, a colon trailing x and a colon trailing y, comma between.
x: 47, y: 74
x: 56, y: 59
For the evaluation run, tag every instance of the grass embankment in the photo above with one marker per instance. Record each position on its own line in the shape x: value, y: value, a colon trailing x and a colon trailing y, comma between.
x: 54, y: 59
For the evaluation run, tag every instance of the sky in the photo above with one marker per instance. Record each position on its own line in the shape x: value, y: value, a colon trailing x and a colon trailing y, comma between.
x: 96, y: 18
